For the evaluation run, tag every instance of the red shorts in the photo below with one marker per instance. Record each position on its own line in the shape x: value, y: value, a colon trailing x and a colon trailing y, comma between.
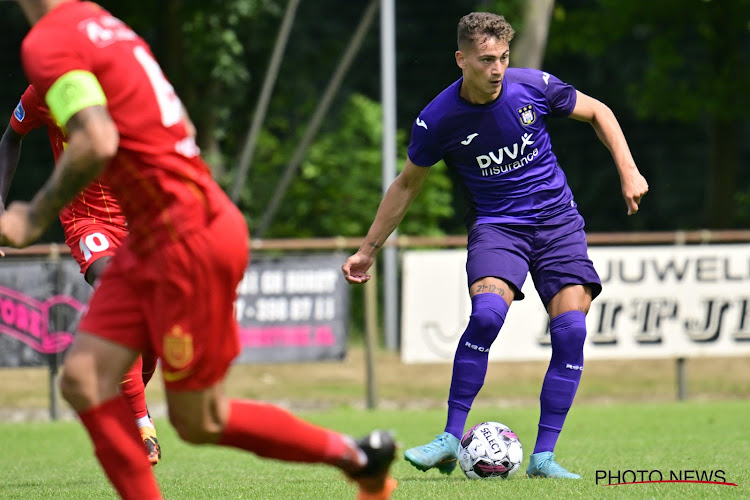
x: 91, y: 242
x: 177, y: 301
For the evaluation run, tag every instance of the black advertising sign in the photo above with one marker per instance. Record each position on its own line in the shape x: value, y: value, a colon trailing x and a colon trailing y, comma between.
x: 40, y: 303
x: 294, y: 308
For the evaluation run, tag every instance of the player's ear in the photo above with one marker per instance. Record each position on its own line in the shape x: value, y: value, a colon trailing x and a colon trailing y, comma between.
x: 460, y: 59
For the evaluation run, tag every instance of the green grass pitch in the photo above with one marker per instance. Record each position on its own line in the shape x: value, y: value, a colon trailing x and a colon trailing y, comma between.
x: 53, y: 460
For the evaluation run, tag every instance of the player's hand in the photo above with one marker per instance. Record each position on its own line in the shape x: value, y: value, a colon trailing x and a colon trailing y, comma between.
x: 16, y: 227
x: 634, y: 188
x: 355, y: 268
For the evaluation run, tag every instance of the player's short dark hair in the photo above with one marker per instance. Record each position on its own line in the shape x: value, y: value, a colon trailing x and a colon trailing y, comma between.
x: 479, y: 25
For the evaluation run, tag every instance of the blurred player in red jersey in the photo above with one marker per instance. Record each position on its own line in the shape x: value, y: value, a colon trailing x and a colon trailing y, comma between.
x: 171, y: 287
x: 94, y: 228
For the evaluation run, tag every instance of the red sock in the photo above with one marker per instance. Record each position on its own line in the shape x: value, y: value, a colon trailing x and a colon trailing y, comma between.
x: 272, y: 432
x: 134, y: 391
x: 119, y: 449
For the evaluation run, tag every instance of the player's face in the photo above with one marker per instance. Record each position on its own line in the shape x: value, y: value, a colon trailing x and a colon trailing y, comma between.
x: 483, y: 65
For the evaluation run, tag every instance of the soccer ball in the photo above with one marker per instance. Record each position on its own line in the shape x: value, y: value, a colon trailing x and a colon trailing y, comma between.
x: 490, y: 450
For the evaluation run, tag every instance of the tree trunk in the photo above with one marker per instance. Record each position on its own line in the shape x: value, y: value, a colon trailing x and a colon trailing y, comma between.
x: 531, y: 42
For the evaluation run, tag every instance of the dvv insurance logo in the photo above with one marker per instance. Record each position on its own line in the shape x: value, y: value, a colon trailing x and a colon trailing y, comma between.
x: 653, y: 476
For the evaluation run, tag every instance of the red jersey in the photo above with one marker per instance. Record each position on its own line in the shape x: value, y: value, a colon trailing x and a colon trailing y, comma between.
x: 96, y: 204
x: 164, y: 188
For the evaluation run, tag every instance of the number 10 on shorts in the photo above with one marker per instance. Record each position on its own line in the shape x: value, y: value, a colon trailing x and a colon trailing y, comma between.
x: 92, y: 243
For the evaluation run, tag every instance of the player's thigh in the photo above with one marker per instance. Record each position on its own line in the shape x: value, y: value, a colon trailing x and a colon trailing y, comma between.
x: 560, y: 258
x: 494, y: 285
x: 190, y: 310
x: 570, y: 298
x: 497, y: 257
x: 93, y: 369
x: 198, y: 416
x: 116, y: 310
x: 96, y: 269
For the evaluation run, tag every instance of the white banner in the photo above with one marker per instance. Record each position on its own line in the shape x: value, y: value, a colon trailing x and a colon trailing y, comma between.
x: 657, y: 302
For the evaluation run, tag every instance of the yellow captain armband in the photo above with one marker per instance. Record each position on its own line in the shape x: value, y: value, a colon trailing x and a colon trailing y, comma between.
x: 71, y: 93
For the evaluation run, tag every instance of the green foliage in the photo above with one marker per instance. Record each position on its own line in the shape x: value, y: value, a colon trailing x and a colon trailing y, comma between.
x: 512, y: 10
x: 663, y: 67
x: 678, y: 68
x: 215, y: 51
x: 743, y: 204
x: 338, y: 186
x: 695, y: 55
x: 207, y: 50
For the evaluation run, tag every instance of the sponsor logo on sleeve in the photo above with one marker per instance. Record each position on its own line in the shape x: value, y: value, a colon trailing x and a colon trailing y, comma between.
x: 19, y: 112
x: 469, y: 138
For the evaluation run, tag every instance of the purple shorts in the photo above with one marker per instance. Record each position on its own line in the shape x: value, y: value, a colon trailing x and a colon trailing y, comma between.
x: 555, y: 252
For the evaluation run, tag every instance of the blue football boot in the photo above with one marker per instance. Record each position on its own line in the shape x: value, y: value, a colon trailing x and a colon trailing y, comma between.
x: 441, y: 453
x: 543, y: 464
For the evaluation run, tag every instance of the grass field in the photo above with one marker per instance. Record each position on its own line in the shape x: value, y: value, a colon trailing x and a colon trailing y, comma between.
x: 24, y: 393
x: 53, y: 460
x: 625, y: 418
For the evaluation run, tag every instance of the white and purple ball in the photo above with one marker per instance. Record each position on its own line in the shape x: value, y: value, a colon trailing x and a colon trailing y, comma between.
x: 490, y: 450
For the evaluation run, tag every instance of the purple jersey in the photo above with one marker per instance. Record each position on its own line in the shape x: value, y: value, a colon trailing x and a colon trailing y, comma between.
x: 501, y: 151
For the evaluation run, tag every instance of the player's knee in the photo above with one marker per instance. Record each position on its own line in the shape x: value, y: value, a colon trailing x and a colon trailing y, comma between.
x: 571, y: 339
x: 193, y: 428
x: 70, y: 386
x: 484, y: 325
x: 73, y: 387
x: 188, y: 429
x: 568, y: 331
x: 486, y: 319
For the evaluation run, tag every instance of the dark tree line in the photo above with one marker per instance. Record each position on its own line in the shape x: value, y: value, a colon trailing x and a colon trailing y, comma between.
x: 673, y: 72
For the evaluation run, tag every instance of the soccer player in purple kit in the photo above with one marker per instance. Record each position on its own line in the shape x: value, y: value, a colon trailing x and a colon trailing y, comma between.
x: 490, y: 128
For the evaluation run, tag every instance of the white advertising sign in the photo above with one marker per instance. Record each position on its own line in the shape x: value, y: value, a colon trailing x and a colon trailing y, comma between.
x: 657, y: 302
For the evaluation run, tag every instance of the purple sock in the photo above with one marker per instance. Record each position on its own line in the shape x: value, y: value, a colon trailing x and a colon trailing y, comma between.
x: 488, y: 312
x: 568, y: 331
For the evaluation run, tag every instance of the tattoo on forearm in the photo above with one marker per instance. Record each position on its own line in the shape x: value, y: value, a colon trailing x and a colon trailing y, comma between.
x: 56, y: 192
x: 374, y: 245
x: 71, y: 174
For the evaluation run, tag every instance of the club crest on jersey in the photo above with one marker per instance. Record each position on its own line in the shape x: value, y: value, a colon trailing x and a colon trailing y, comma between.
x: 19, y: 112
x: 178, y: 348
x: 527, y: 114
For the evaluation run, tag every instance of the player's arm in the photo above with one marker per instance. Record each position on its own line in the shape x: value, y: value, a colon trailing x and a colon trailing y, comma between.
x: 10, y: 152
x: 92, y: 142
x: 393, y: 207
x: 78, y: 103
x: 633, y: 184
